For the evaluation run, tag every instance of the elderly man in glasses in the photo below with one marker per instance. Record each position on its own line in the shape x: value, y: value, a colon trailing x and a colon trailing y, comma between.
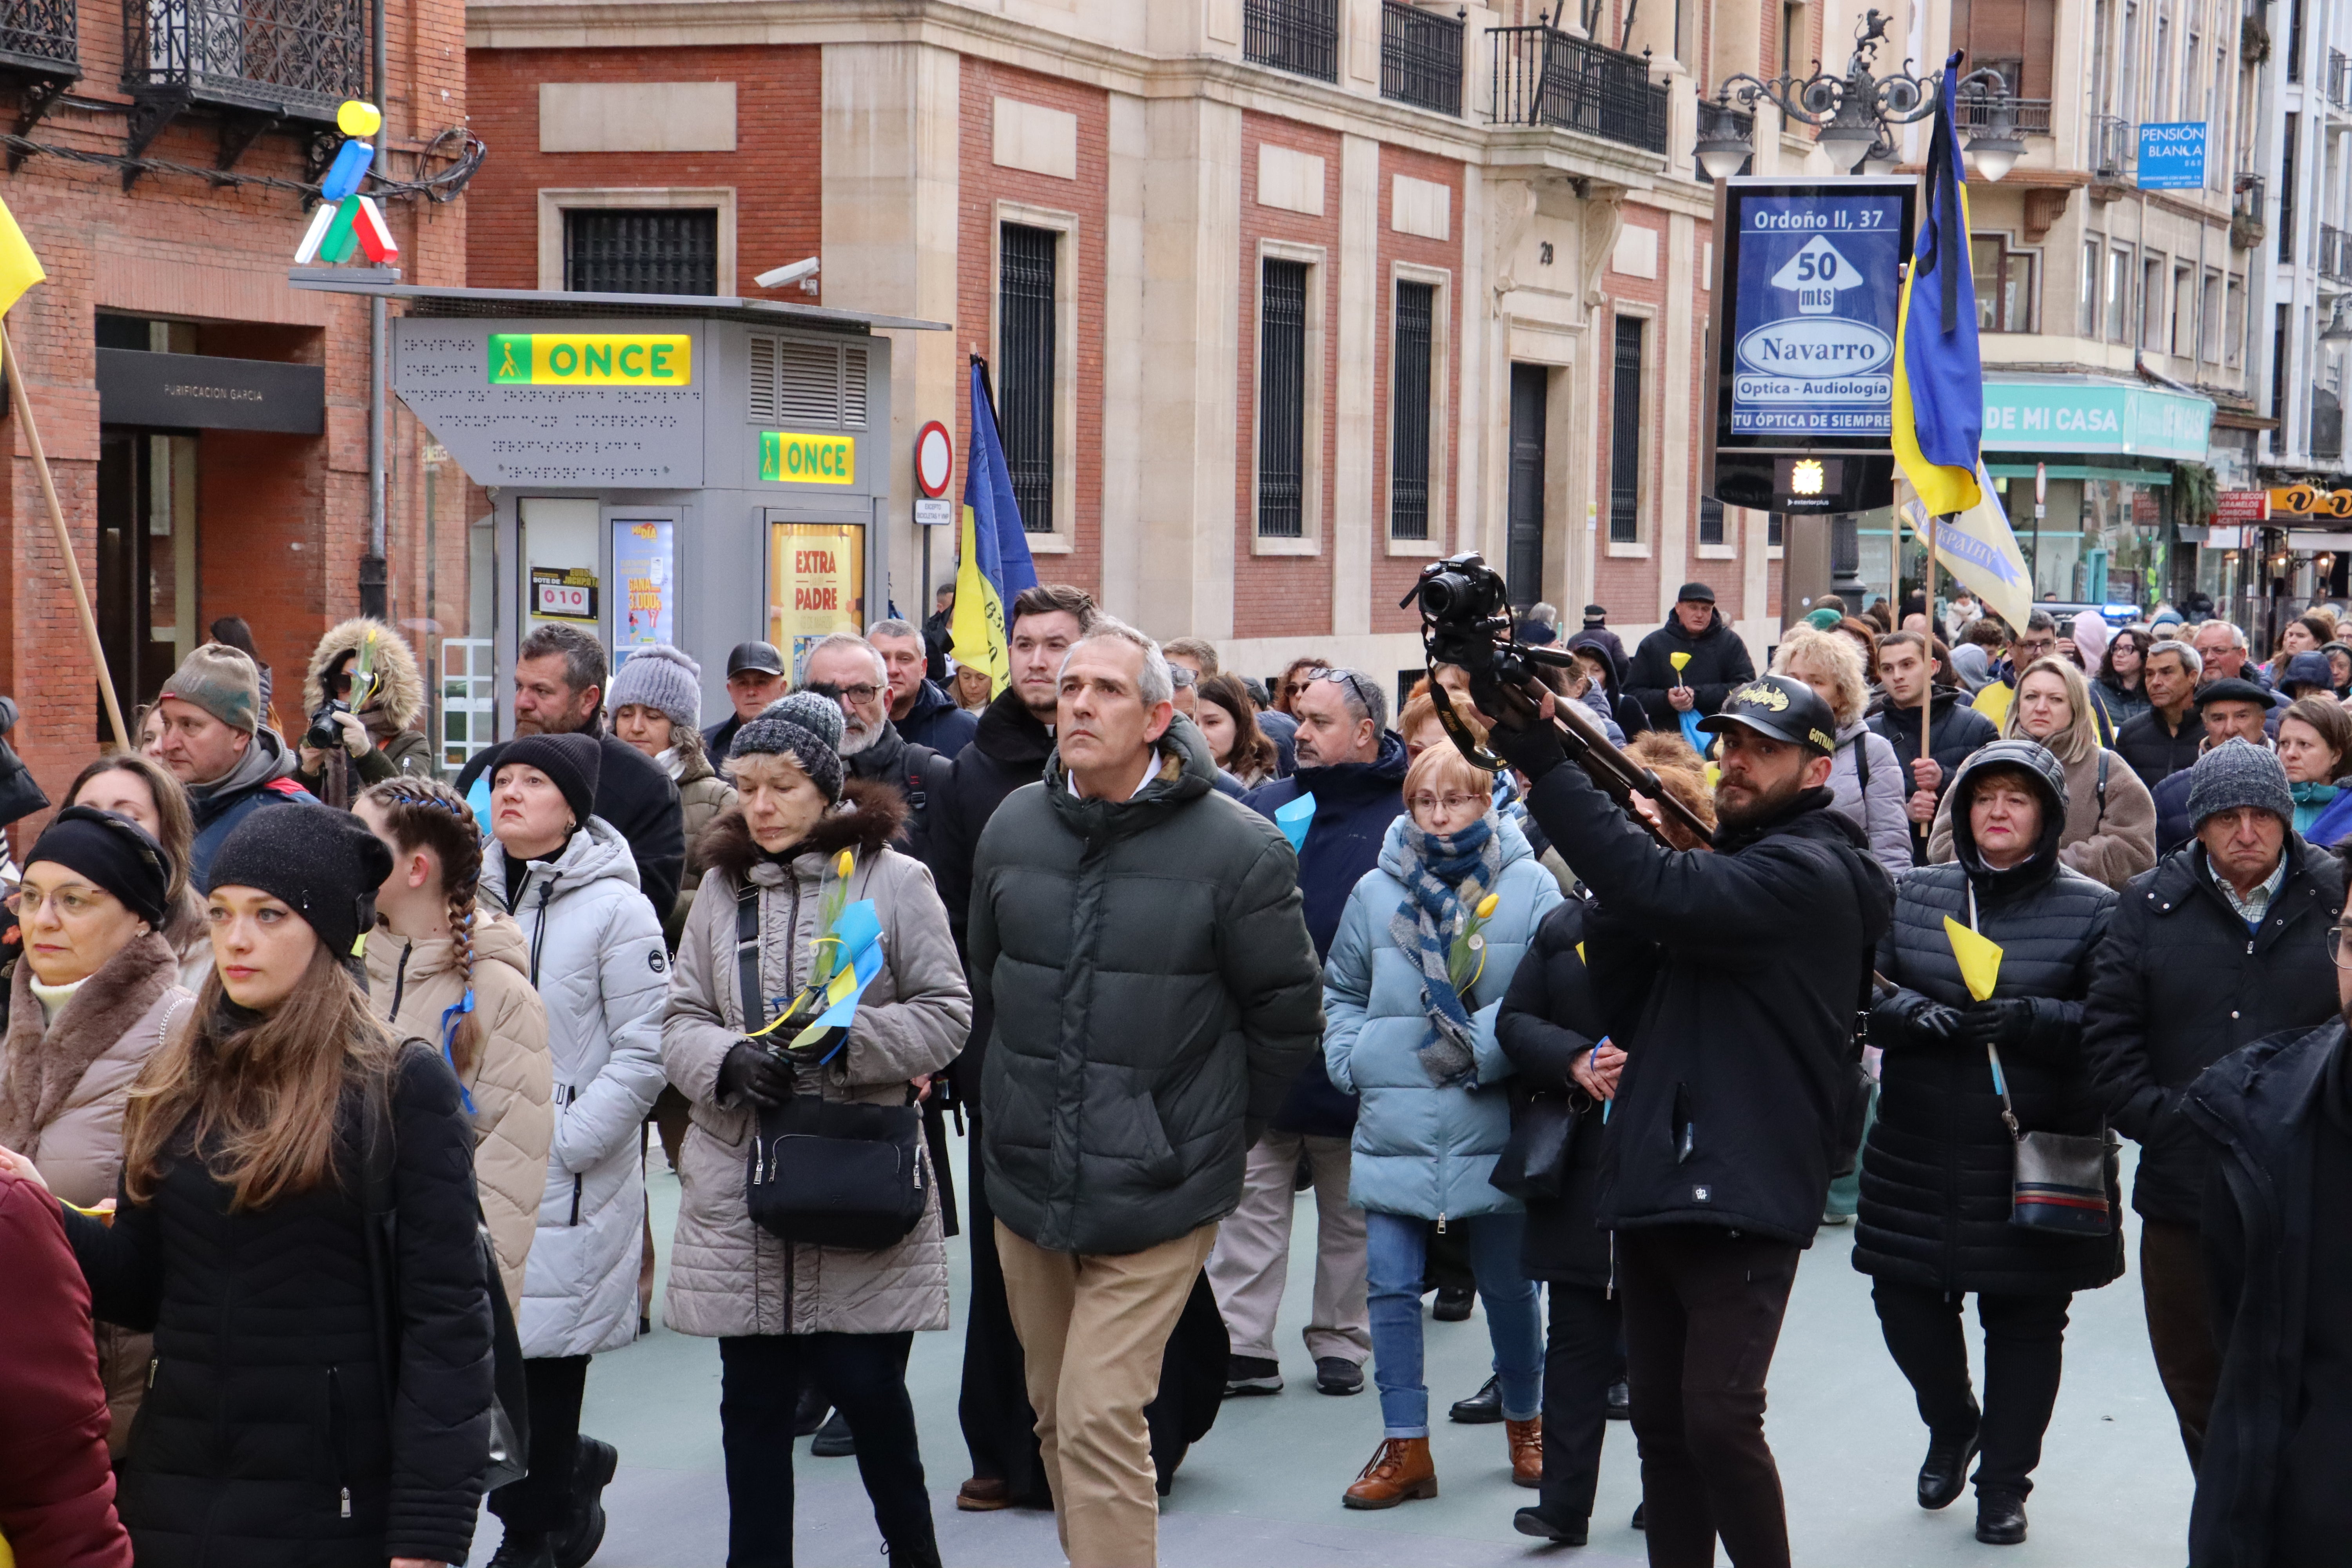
x: 1352, y: 769
x: 852, y: 672
x: 2224, y: 942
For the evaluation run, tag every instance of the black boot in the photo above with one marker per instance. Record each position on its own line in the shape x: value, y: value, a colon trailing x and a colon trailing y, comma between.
x: 1558, y: 1529
x: 591, y: 1470
x: 809, y: 1410
x: 1483, y: 1408
x: 2000, y: 1518
x: 834, y: 1440
x: 1945, y: 1469
x: 520, y: 1550
x: 1452, y: 1303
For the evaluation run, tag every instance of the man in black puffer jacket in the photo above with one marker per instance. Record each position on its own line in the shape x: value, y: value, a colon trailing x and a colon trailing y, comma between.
x: 1955, y: 729
x: 1733, y: 981
x: 1934, y: 1223
x: 1718, y: 662
x: 1140, y: 937
x: 2220, y: 944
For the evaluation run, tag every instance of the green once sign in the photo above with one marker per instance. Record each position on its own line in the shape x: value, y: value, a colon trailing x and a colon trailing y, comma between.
x: 2095, y: 416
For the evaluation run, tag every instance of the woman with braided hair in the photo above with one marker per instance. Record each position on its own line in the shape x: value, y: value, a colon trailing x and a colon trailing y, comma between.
x: 445, y: 971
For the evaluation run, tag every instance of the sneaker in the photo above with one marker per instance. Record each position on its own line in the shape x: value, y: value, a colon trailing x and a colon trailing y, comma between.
x: 1452, y: 1303
x: 1832, y: 1221
x: 1483, y: 1408
x: 1337, y: 1375
x: 833, y: 1439
x: 1249, y: 1374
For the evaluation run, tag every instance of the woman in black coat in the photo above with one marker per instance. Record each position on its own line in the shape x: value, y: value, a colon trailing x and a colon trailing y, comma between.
x: 272, y: 1433
x: 1936, y: 1172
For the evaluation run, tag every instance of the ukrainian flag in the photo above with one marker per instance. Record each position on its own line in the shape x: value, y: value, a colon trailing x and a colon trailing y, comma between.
x: 996, y: 564
x: 1938, y: 379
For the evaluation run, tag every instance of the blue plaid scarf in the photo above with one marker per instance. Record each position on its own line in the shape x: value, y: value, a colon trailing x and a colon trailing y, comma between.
x: 1445, y: 877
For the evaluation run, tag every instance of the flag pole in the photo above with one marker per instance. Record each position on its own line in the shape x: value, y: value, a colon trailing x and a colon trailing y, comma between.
x: 1928, y: 690
x: 22, y: 391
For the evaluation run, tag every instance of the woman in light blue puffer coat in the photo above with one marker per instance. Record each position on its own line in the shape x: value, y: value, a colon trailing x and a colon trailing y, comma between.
x: 1456, y: 896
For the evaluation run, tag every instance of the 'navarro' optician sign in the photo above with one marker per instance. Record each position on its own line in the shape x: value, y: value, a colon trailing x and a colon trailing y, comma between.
x: 591, y: 359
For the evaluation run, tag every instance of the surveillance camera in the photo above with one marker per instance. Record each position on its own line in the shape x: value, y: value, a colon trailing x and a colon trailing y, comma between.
x: 796, y: 273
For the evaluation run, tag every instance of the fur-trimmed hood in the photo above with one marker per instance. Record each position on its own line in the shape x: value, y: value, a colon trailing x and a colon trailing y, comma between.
x: 868, y: 818
x: 400, y: 686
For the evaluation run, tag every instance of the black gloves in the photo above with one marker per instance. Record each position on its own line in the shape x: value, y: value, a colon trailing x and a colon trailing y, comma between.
x: 1935, y: 1023
x: 755, y: 1076
x: 1535, y: 750
x: 2003, y: 1021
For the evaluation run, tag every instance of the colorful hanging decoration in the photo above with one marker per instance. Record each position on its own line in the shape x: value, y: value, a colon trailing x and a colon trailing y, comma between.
x: 347, y: 221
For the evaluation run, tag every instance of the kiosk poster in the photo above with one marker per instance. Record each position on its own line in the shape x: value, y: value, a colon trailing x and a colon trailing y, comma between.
x: 1819, y: 289
x: 816, y: 586
x: 642, y: 562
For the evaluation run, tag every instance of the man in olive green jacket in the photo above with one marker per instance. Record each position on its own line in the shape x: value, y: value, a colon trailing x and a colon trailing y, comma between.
x: 1141, y: 939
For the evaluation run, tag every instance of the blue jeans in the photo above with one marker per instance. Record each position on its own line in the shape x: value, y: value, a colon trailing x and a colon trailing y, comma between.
x: 1394, y: 1247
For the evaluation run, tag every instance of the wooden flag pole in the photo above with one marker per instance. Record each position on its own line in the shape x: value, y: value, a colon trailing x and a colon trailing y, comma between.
x: 15, y: 369
x: 1927, y: 691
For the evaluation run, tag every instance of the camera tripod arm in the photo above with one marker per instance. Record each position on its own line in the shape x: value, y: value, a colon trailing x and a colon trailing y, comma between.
x: 1608, y: 764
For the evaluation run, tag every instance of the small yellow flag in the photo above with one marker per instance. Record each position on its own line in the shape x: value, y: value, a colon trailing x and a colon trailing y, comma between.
x: 1681, y: 661
x: 19, y: 268
x: 1980, y: 959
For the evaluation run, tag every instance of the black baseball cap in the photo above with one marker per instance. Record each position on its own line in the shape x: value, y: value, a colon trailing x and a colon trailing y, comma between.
x: 759, y: 656
x: 1783, y: 709
x: 1699, y: 591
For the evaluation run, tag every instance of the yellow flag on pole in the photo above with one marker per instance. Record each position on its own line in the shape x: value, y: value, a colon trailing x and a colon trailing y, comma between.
x: 1980, y: 959
x: 19, y: 268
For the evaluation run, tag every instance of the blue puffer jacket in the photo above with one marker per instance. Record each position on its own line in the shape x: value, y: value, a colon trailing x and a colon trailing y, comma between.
x: 1420, y: 1150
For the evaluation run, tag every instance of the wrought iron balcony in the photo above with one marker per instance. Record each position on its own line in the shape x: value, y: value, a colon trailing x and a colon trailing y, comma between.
x: 2339, y: 79
x: 2114, y: 147
x: 285, y: 59
x: 2335, y: 253
x: 41, y: 38
x: 1301, y: 36
x: 1545, y: 77
x: 1975, y: 114
x: 1421, y: 57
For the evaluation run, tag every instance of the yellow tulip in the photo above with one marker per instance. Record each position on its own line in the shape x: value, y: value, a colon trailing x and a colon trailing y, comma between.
x: 1488, y: 905
x: 844, y: 865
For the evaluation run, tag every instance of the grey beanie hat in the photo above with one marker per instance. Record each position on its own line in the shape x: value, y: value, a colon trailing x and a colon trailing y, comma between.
x: 2239, y: 773
x: 659, y: 676
x: 807, y: 727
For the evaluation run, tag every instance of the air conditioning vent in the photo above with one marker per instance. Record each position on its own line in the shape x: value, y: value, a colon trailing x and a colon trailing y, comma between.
x: 853, y: 388
x: 806, y: 384
x: 761, y: 398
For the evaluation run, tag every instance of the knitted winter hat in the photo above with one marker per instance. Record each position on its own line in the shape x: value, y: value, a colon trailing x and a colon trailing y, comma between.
x: 222, y: 682
x: 321, y: 863
x: 2237, y: 774
x: 114, y: 852
x: 803, y: 725
x: 572, y: 762
x: 660, y: 677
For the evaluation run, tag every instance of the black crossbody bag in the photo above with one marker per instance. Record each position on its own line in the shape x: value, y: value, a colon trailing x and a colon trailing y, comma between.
x: 822, y: 1172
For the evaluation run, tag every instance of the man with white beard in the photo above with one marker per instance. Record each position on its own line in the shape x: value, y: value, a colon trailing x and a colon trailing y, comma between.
x: 851, y: 672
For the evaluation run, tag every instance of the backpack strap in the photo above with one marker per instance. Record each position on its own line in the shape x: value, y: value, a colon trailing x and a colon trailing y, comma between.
x: 2104, y: 755
x: 747, y: 958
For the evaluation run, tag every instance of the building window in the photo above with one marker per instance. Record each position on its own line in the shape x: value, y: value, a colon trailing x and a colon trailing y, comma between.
x: 2119, y: 311
x: 2234, y: 319
x: 2151, y: 303
x: 2278, y: 373
x: 1772, y: 529
x: 2087, y: 322
x: 1027, y: 261
x: 2004, y: 280
x: 641, y: 250
x: 1408, y: 411
x: 1299, y: 36
x: 2209, y: 332
x: 2286, y: 174
x: 2184, y: 313
x: 1793, y: 36
x: 1625, y: 435
x: 2294, y: 46
x: 1282, y: 398
x: 1710, y: 521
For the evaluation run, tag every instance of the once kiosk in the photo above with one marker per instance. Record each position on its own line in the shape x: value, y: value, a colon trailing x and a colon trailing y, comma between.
x: 679, y: 468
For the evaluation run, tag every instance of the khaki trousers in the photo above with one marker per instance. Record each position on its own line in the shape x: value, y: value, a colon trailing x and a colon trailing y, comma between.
x: 1252, y: 1264
x: 1093, y: 1327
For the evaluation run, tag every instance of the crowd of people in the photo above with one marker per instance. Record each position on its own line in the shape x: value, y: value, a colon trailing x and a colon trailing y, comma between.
x: 327, y: 1088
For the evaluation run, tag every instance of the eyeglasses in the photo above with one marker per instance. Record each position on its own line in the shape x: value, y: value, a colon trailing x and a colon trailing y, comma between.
x: 2037, y: 647
x: 1450, y: 801
x: 1347, y: 678
x: 845, y: 695
x: 2335, y: 954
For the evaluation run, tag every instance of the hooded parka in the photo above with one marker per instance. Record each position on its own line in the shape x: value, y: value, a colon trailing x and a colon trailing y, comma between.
x: 412, y: 985
x: 595, y: 957
x: 1155, y: 993
x: 2110, y: 830
x: 63, y: 1087
x: 390, y: 713
x: 1422, y: 1150
x: 727, y: 1276
x: 1937, y: 1168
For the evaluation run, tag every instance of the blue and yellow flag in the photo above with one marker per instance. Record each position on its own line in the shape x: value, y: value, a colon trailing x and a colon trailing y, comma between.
x: 1938, y: 379
x: 996, y: 564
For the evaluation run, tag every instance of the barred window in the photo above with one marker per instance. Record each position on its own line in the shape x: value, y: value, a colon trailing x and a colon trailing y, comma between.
x: 1408, y: 411
x: 641, y: 250
x: 1282, y: 399
x: 1625, y: 435
x: 1029, y: 260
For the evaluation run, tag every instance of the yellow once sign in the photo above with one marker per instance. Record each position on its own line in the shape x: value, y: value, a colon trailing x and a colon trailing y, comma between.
x: 792, y: 457
x: 591, y: 359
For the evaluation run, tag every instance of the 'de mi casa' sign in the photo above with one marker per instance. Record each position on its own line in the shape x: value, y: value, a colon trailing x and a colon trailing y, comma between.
x: 591, y: 359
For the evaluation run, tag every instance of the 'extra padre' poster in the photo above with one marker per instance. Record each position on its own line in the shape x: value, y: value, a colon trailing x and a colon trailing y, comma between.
x: 1819, y: 293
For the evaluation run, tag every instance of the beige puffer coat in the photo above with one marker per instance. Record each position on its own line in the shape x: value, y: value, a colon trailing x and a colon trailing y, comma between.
x: 412, y: 984
x: 62, y: 1091
x: 727, y: 1276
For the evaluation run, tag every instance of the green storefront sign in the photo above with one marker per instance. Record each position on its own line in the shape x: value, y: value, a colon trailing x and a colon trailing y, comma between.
x: 2038, y: 416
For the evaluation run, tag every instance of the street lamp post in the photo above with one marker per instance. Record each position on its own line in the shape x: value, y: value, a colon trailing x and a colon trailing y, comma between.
x: 1853, y: 115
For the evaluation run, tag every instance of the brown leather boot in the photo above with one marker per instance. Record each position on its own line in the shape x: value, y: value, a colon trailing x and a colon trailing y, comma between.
x: 1526, y: 1451
x: 1400, y: 1470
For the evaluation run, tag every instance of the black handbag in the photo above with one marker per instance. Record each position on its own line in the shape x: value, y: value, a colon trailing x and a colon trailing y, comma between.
x: 826, y: 1173
x: 1533, y: 1165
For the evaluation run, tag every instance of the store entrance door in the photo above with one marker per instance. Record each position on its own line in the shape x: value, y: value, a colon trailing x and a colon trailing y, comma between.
x: 145, y: 594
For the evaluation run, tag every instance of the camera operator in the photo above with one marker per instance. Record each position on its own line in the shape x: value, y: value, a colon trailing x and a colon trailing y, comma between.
x: 348, y: 746
x: 1732, y: 979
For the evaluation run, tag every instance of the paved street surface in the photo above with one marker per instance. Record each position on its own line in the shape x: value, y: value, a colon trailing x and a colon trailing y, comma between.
x: 1264, y: 1486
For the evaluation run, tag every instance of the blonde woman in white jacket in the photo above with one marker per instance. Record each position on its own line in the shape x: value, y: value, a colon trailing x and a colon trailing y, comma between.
x: 598, y: 963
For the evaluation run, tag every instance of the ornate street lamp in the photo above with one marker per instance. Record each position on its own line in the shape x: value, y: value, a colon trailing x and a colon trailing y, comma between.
x: 1852, y: 115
